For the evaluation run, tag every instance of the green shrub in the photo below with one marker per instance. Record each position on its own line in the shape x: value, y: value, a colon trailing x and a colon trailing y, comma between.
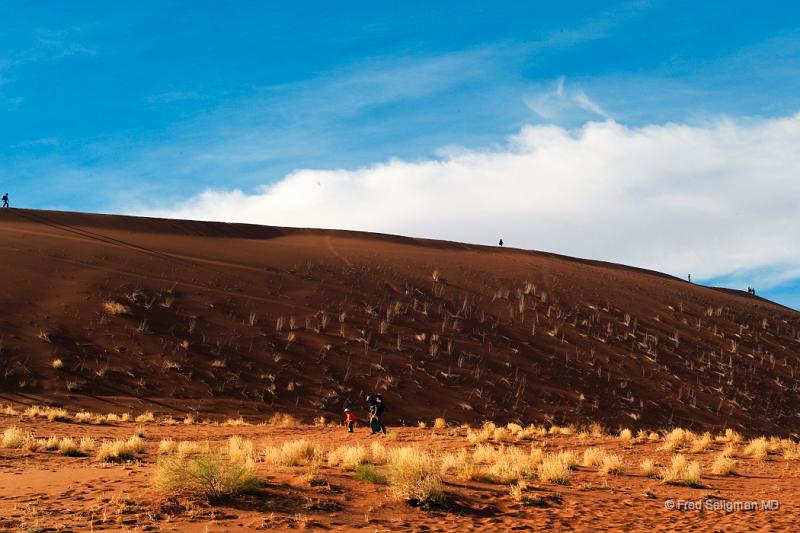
x: 209, y: 476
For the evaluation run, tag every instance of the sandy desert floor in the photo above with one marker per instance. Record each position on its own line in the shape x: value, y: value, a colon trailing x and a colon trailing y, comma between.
x: 47, y: 491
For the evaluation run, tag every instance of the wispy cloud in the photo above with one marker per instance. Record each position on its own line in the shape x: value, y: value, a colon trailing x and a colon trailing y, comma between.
x: 712, y: 199
x: 560, y: 101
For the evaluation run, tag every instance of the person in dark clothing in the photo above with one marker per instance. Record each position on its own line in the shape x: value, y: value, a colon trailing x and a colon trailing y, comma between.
x: 501, y: 242
x: 376, y: 409
x: 5, y: 200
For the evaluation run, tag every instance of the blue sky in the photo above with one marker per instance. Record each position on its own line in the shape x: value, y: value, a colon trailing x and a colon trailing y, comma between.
x: 142, y: 106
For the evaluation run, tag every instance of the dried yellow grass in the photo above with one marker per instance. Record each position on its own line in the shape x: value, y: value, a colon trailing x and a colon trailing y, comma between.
x: 413, y: 475
x: 503, y: 464
x: 729, y: 450
x: 13, y: 437
x: 702, y: 443
x: 757, y: 448
x: 554, y: 469
x: 676, y: 439
x: 115, y: 308
x: 68, y: 446
x: 612, y: 464
x: 348, y: 457
x: 792, y: 453
x: 50, y: 413
x: 145, y: 418
x: 593, y: 456
x: 292, y: 453
x: 723, y: 466
x: 681, y: 472
x: 283, y: 420
x: 239, y: 449
x: 648, y: 468
x: 730, y: 436
x: 120, y: 450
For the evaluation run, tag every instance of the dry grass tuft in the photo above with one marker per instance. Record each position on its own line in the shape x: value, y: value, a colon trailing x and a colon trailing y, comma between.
x: 648, y: 468
x: 612, y: 464
x: 210, y: 477
x: 115, y: 308
x: 593, y: 456
x: 723, y: 466
x: 676, y: 439
x: 757, y: 448
x: 555, y: 469
x: 14, y: 437
x: 414, y: 476
x: 52, y: 414
x: 349, y: 457
x: 682, y: 472
x: 292, y: 453
x: 440, y: 423
x: 702, y: 443
x: 283, y: 420
x: 500, y: 465
x: 68, y: 446
x: 378, y: 454
x: 792, y: 452
x: 120, y: 450
x: 730, y: 436
x: 145, y: 418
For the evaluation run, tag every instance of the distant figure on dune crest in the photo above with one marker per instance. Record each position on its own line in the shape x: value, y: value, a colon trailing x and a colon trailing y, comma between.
x: 376, y: 409
x: 751, y: 290
x: 349, y: 419
x: 501, y: 242
x: 5, y: 200
x: 690, y: 278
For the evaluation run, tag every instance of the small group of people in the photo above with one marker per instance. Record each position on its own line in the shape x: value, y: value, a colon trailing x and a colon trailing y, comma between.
x: 376, y: 407
x: 751, y: 290
x: 5, y: 200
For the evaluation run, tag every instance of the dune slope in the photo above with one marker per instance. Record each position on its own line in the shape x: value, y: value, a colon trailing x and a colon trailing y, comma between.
x: 111, y: 312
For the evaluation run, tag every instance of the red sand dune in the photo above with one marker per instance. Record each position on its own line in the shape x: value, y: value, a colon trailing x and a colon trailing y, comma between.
x: 503, y: 334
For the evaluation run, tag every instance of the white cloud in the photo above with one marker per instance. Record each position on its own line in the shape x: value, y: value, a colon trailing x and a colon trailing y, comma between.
x: 712, y: 199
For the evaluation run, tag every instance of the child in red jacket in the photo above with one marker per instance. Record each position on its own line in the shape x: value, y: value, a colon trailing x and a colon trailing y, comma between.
x: 349, y: 419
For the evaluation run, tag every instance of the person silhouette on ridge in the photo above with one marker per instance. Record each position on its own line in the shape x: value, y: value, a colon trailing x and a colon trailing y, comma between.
x: 501, y: 242
x: 5, y: 200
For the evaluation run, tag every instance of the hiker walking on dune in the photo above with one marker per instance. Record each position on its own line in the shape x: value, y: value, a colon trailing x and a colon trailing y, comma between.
x: 5, y: 200
x: 349, y: 420
x: 376, y: 409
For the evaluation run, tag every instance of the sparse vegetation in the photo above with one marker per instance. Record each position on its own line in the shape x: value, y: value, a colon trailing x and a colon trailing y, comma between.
x: 682, y: 472
x: 115, y: 308
x: 555, y: 468
x: 117, y: 451
x: 414, y: 476
x: 723, y: 466
x: 757, y: 448
x: 292, y: 453
x: 648, y: 468
x: 210, y: 477
x: 365, y: 472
